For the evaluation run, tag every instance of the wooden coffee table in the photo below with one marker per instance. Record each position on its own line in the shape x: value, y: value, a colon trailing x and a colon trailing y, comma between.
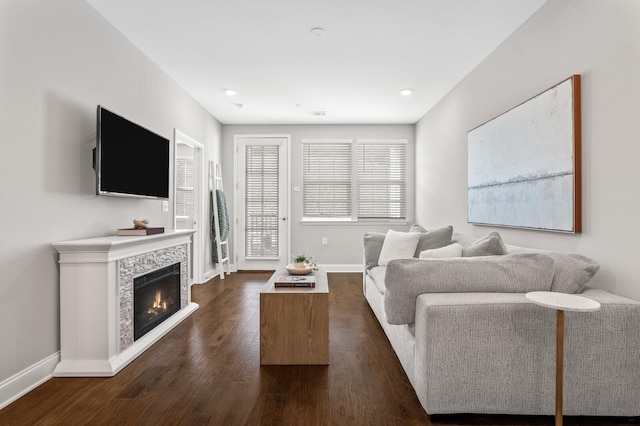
x: 294, y: 322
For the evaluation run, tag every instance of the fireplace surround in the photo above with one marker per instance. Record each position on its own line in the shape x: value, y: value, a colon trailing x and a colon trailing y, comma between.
x: 97, y: 307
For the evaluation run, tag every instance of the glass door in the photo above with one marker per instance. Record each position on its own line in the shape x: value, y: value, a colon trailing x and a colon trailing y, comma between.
x: 262, y: 203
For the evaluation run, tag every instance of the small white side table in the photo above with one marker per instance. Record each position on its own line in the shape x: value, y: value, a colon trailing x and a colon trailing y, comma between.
x: 561, y: 302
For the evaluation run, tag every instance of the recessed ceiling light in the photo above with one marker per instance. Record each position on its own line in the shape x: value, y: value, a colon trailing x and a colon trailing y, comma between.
x: 406, y: 92
x: 317, y: 31
x: 230, y: 92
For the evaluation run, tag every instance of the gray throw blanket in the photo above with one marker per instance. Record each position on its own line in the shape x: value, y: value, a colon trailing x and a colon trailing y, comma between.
x: 223, y: 222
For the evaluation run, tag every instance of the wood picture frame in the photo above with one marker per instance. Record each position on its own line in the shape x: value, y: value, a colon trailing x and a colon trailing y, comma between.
x: 524, y: 166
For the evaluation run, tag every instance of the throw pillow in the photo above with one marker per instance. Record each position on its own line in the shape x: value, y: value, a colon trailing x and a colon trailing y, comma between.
x: 406, y: 279
x: 417, y: 228
x: 452, y: 250
x: 433, y: 239
x: 462, y: 239
x: 489, y: 245
x: 398, y: 245
x: 571, y: 271
x: 372, y: 246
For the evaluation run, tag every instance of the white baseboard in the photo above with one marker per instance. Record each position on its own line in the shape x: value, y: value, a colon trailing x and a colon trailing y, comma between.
x: 358, y: 267
x: 208, y: 275
x: 27, y: 380
x: 331, y: 267
x: 212, y: 273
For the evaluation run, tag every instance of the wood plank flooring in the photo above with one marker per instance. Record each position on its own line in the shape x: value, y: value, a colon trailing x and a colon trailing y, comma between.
x: 207, y: 372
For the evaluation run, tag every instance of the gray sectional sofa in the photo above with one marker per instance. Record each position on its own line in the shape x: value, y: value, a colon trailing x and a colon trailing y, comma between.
x: 470, y: 342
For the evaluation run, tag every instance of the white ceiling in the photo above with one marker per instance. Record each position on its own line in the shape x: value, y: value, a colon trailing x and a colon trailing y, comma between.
x: 368, y: 52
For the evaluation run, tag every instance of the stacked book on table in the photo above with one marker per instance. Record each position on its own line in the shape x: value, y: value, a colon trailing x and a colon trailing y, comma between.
x: 288, y: 281
x: 140, y: 231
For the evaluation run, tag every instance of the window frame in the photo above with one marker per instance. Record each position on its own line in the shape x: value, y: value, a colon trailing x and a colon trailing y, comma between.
x: 342, y: 141
x: 354, y: 219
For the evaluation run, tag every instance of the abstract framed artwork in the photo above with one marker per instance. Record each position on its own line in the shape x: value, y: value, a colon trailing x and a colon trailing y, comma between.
x: 524, y: 165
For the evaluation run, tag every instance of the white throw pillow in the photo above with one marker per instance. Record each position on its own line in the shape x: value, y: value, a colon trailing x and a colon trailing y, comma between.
x: 452, y: 250
x: 398, y: 245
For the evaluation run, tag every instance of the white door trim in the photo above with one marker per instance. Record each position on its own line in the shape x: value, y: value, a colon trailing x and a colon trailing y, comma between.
x: 198, y: 238
x: 236, y: 138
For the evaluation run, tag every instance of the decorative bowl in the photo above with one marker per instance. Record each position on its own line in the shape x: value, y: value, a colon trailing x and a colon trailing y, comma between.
x: 291, y: 268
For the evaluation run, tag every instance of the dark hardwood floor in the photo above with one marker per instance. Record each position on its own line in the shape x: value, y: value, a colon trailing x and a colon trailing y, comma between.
x: 207, y: 372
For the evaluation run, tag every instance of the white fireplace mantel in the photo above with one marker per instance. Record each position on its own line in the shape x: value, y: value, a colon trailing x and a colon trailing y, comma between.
x: 94, y: 298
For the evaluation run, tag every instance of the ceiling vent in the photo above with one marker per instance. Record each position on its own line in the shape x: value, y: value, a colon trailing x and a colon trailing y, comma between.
x: 318, y: 113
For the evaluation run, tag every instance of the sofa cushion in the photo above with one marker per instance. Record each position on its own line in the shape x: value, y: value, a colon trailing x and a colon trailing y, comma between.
x: 377, y: 274
x: 372, y: 245
x: 406, y: 279
x: 433, y: 239
x: 463, y: 239
x: 452, y: 250
x: 489, y: 245
x: 571, y: 271
x: 417, y: 228
x: 398, y: 245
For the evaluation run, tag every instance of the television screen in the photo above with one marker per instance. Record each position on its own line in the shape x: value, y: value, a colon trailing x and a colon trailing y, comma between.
x: 131, y: 161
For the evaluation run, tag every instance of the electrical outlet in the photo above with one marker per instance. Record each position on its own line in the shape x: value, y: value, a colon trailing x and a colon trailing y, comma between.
x: 325, y: 241
x: 165, y: 206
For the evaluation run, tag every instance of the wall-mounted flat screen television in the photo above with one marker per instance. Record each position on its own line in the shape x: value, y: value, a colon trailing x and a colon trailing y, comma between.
x: 131, y: 161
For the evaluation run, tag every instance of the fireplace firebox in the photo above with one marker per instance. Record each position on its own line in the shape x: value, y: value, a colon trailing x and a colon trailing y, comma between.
x: 156, y: 296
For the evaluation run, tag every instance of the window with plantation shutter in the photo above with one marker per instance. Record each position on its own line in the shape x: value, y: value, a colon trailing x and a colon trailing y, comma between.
x: 347, y: 180
x: 327, y: 179
x: 381, y: 179
x: 261, y: 201
x: 185, y: 187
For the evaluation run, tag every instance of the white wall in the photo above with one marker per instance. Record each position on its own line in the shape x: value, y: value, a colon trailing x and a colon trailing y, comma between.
x: 599, y: 39
x: 344, y: 240
x: 58, y: 61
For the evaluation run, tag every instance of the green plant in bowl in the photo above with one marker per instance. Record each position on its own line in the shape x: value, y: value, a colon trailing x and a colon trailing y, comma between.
x: 303, y: 261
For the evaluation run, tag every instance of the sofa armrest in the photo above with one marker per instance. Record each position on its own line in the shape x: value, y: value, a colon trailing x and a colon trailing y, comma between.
x: 495, y: 353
